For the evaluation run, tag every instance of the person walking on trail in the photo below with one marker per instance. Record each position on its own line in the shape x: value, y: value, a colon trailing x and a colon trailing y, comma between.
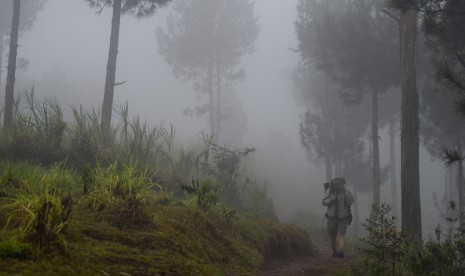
x: 338, y: 200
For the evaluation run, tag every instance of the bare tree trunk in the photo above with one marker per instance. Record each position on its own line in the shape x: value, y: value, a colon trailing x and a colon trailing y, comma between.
x: 337, y: 161
x: 356, y: 220
x: 210, y: 103
x: 107, y: 106
x: 329, y: 171
x: 1, y: 56
x: 218, y: 101
x: 11, y: 75
x: 460, y: 183
x: 392, y: 168
x: 451, y: 193
x: 410, y: 176
x: 375, y: 137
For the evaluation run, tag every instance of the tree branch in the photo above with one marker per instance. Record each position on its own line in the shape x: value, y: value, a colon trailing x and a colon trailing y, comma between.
x: 391, y: 15
x: 460, y: 58
x: 420, y: 6
x: 119, y: 83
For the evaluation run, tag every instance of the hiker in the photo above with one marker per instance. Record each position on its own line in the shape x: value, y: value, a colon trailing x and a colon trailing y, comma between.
x: 338, y: 200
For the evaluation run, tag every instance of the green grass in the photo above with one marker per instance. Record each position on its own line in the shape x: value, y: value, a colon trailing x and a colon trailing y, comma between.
x: 179, y: 241
x: 174, y: 237
x: 118, y: 207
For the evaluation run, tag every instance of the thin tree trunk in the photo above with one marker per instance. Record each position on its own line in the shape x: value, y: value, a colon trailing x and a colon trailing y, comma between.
x: 375, y: 137
x: 107, y: 106
x: 410, y: 176
x: 329, y: 174
x: 392, y: 167
x: 451, y: 194
x: 356, y: 220
x: 11, y: 75
x: 218, y: 101
x: 1, y: 56
x: 460, y: 183
x: 337, y: 162
x: 210, y: 103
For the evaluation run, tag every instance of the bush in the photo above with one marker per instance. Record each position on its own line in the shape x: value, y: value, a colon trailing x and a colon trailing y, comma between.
x: 205, y: 194
x: 385, y: 246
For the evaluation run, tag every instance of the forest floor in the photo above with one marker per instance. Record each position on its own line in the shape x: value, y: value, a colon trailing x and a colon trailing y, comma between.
x: 321, y: 263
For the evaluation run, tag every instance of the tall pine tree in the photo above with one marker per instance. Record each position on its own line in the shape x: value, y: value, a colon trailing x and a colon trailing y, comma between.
x: 137, y: 8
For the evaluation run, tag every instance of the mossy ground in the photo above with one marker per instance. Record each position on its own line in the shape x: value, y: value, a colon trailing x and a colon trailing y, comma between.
x: 170, y: 240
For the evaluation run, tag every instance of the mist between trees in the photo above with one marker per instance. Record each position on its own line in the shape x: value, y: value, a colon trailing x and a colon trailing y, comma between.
x: 365, y: 112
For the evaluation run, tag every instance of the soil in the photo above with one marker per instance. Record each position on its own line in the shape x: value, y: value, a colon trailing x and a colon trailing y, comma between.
x: 321, y: 263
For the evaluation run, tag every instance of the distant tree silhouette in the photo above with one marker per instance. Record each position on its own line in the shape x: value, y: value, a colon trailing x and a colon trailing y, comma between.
x: 358, y: 47
x: 15, y: 18
x: 204, y: 42
x: 333, y: 131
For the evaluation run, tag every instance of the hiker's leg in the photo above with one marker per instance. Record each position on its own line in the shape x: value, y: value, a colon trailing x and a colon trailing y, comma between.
x: 332, y: 229
x: 341, y: 239
x: 333, y: 242
x: 341, y: 236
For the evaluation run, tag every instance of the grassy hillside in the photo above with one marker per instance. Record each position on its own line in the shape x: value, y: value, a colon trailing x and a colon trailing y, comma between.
x: 51, y: 227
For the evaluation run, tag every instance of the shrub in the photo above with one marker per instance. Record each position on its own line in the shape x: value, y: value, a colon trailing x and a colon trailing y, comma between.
x: 385, y: 246
x: 205, y: 194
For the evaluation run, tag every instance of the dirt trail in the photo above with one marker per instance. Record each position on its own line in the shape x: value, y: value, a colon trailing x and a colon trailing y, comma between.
x: 320, y: 264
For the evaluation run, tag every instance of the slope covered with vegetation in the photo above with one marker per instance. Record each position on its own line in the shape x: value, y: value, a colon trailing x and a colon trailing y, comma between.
x: 69, y: 205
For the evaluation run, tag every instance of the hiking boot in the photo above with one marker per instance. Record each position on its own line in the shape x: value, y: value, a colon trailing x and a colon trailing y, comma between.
x: 335, y: 255
x: 340, y: 254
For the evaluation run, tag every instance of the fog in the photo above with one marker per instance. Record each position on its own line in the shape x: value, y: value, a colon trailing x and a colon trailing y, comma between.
x: 67, y: 49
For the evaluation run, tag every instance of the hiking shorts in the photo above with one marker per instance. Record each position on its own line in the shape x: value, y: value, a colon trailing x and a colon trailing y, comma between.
x: 337, y: 226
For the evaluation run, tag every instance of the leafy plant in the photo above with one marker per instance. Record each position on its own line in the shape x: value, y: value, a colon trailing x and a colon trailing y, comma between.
x: 205, y: 193
x: 227, y: 164
x: 444, y: 254
x: 229, y: 214
x: 385, y: 246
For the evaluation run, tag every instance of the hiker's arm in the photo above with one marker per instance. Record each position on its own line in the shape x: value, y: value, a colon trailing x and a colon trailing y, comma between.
x: 328, y: 200
x: 349, y: 198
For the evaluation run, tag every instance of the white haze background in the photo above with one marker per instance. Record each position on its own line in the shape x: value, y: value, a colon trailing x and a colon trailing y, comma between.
x: 68, y: 49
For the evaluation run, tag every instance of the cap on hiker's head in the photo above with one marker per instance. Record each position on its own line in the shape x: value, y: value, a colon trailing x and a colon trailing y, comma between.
x: 339, y: 180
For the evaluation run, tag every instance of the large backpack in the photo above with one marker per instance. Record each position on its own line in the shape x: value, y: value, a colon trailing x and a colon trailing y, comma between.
x: 349, y: 207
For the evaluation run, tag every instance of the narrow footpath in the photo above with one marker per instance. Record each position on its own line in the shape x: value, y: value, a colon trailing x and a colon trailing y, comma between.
x: 322, y: 263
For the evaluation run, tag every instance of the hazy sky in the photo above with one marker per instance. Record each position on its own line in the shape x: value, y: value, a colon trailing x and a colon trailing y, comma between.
x: 74, y: 40
x: 71, y: 39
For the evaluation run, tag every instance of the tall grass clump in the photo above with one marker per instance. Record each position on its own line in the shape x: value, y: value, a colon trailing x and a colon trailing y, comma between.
x: 36, y: 204
x: 37, y: 132
x: 137, y: 141
x: 41, y: 136
x: 84, y: 141
x: 256, y: 200
x: 120, y: 188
